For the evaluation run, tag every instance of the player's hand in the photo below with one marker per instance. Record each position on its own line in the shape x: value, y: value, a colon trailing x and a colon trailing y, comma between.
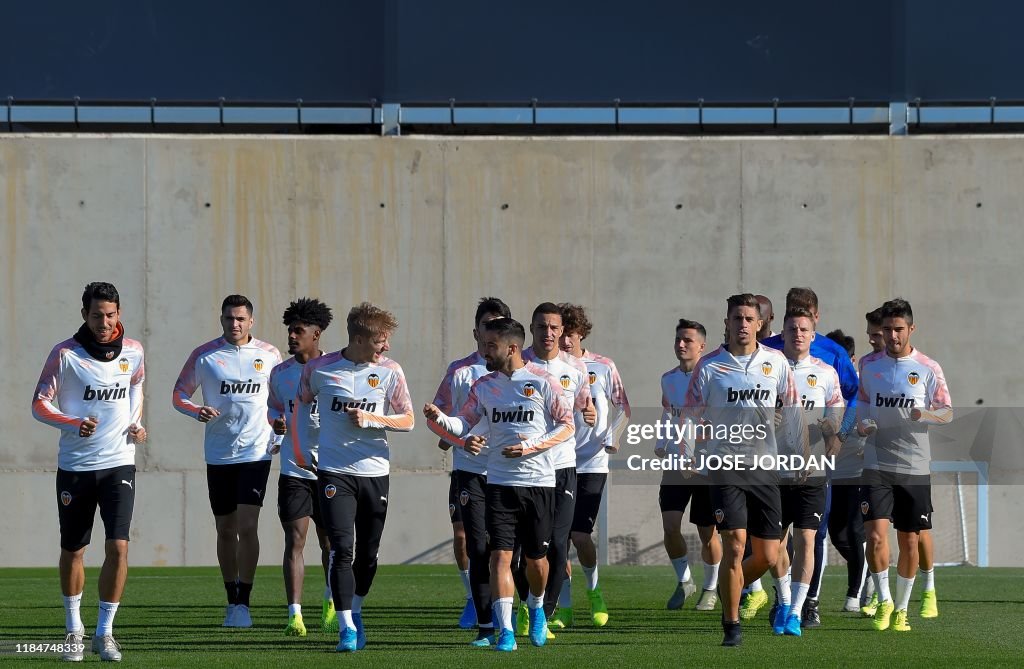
x: 280, y: 426
x: 867, y: 427
x: 431, y: 412
x: 357, y: 416
x: 590, y: 412
x: 88, y: 426
x: 474, y: 444
x: 827, y: 427
x: 206, y: 414
x: 660, y: 452
x: 443, y: 445
x: 915, y: 414
x: 832, y: 445
x: 802, y: 476
x: 137, y: 434
x: 611, y: 448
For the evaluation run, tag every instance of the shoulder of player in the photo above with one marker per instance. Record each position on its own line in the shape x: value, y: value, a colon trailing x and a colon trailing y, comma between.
x: 391, y: 366
x: 872, y: 359
x: 282, y: 367
x: 573, y: 361
x: 132, y: 344
x: 209, y: 347
x: 930, y: 363
x: 265, y: 346
x: 598, y: 360
x: 672, y: 373
x: 774, y: 354
x: 64, y: 347
x: 456, y: 365
x: 320, y: 362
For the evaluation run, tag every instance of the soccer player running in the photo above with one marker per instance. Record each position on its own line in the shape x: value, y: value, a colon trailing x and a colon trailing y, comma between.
x: 546, y: 328
x: 741, y: 389
x: 233, y: 371
x: 467, y: 494
x: 360, y: 395
x: 525, y: 414
x: 91, y: 390
x: 803, y: 491
x: 901, y: 393
x: 593, y: 446
x: 297, y: 497
x: 835, y: 355
x: 677, y: 491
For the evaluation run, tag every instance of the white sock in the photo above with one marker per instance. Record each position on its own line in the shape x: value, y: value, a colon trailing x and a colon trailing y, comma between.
x: 565, y: 595
x: 328, y: 594
x: 881, y: 580
x: 756, y: 586
x: 72, y: 613
x: 682, y: 567
x: 867, y: 586
x: 357, y: 604
x: 346, y: 620
x: 710, y: 576
x: 294, y: 610
x: 591, y: 573
x: 105, y: 623
x: 503, y: 613
x: 464, y: 573
x: 798, y: 593
x: 903, y: 588
x: 535, y: 601
x: 782, y: 585
x: 929, y: 578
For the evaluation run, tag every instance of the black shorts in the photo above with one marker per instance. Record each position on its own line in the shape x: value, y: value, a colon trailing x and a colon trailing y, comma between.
x: 803, y: 504
x: 472, y: 503
x: 589, y: 488
x: 238, y: 483
x: 297, y: 498
x: 78, y: 495
x: 523, y: 514
x: 677, y: 492
x: 348, y: 501
x: 454, y: 508
x: 904, y: 499
x: 754, y: 506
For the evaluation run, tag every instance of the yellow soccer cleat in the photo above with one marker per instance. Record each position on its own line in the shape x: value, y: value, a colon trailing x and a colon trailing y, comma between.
x: 598, y: 609
x: 329, y: 618
x: 295, y: 626
x: 929, y: 604
x: 883, y: 616
x: 562, y: 618
x: 752, y: 603
x: 899, y: 621
x: 868, y: 610
x: 522, y: 620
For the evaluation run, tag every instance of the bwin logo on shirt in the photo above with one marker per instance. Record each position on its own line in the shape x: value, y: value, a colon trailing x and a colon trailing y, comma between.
x: 746, y: 394
x: 812, y: 380
x: 105, y: 394
x: 227, y: 388
x: 808, y: 404
x: 517, y: 415
x: 901, y: 402
x: 338, y: 404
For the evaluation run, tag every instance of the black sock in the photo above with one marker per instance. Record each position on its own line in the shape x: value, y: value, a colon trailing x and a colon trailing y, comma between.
x: 244, y: 590
x: 232, y: 589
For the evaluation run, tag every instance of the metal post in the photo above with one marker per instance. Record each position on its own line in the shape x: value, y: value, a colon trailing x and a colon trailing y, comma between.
x: 898, y: 118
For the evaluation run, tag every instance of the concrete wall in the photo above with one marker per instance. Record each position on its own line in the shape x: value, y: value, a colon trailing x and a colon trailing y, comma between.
x: 641, y: 231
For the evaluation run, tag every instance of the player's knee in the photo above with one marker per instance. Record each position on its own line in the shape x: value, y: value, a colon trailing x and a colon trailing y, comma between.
x: 116, y: 549
x: 580, y: 539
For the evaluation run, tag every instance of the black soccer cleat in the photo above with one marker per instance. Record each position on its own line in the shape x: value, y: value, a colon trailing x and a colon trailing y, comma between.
x: 810, y: 618
x: 733, y: 635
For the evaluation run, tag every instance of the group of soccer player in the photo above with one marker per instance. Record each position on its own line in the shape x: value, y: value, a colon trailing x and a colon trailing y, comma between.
x: 531, y: 430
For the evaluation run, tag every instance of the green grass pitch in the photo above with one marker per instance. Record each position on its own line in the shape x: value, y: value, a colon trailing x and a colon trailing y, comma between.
x: 171, y: 617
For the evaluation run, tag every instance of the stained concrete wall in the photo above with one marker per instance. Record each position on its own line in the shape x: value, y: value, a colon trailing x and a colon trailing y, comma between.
x: 641, y: 231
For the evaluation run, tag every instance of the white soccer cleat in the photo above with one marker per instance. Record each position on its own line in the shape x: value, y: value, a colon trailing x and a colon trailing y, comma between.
x: 74, y: 646
x: 108, y: 649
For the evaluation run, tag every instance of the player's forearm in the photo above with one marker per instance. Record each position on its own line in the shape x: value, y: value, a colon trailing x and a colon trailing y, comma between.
x: 183, y: 403
x: 549, y: 440
x: 135, y: 401
x: 940, y: 416
x: 45, y: 412
x: 399, y: 422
